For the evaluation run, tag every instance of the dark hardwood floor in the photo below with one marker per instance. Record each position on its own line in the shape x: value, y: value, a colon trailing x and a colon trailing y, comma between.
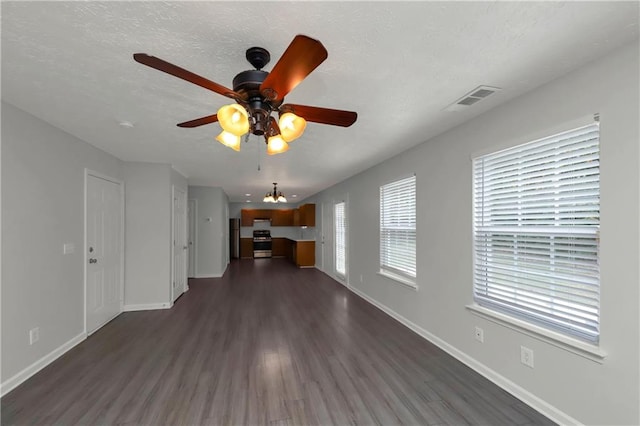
x: 268, y: 344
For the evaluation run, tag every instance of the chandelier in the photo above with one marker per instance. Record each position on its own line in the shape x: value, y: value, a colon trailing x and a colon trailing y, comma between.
x: 275, y: 196
x: 234, y: 120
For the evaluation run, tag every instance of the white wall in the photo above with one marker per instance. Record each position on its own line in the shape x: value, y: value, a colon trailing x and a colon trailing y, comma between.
x: 573, y: 386
x: 42, y: 209
x: 212, y: 242
x: 147, y: 235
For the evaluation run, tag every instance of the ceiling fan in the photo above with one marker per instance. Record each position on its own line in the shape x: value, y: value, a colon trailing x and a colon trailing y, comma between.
x: 258, y: 94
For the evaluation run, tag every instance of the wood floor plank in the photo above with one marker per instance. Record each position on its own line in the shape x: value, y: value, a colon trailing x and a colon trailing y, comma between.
x: 267, y: 344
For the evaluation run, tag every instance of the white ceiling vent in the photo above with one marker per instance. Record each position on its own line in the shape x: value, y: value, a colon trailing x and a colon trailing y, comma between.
x: 474, y: 96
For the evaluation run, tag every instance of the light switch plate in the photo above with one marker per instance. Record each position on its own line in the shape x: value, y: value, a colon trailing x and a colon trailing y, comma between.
x: 68, y: 248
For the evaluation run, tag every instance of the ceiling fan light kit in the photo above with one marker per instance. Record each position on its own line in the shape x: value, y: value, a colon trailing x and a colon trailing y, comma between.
x: 230, y: 140
x: 258, y: 94
x: 291, y: 126
x: 276, y: 145
x: 234, y: 119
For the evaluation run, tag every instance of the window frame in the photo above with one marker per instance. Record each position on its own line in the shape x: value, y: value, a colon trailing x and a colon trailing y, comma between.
x: 572, y: 341
x: 340, y: 274
x: 397, y: 274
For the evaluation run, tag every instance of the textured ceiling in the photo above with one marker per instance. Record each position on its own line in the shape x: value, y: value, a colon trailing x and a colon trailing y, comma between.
x: 398, y: 64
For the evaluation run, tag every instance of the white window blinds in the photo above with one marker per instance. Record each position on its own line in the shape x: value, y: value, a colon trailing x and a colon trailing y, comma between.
x: 536, y: 223
x: 398, y: 228
x: 340, y: 239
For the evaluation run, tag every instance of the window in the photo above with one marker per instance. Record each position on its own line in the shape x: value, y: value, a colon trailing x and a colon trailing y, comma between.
x: 340, y: 239
x: 398, y: 229
x: 536, y: 232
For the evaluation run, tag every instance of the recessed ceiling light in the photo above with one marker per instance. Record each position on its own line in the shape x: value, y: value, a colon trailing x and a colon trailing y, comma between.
x: 248, y: 201
x: 126, y: 124
x: 294, y: 196
x: 247, y: 195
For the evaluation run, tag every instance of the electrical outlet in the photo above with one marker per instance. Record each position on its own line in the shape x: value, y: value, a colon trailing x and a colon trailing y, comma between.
x: 34, y: 335
x: 526, y: 356
x: 479, y: 335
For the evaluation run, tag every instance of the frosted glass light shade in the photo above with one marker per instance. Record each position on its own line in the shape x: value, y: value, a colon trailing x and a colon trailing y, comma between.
x: 281, y: 198
x: 268, y: 198
x: 291, y: 126
x: 276, y: 145
x: 230, y: 140
x: 234, y: 119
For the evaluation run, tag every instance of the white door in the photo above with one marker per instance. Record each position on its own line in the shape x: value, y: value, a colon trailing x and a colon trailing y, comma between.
x: 180, y: 245
x: 104, y: 252
x: 192, y: 237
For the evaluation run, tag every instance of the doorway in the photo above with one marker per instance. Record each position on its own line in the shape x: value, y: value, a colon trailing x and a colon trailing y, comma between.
x: 180, y: 245
x: 104, y: 236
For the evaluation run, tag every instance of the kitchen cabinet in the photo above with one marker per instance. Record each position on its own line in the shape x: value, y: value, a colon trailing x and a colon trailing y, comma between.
x: 280, y: 247
x: 307, y: 215
x: 247, y: 216
x: 282, y: 217
x: 303, y: 253
x: 246, y: 248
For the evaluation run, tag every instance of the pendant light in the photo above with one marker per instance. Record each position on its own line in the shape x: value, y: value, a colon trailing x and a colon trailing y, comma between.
x: 275, y: 196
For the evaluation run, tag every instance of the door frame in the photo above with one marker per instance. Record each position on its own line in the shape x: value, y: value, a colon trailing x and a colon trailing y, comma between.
x: 85, y: 257
x: 344, y: 280
x: 175, y: 188
x: 195, y: 236
x: 327, y: 237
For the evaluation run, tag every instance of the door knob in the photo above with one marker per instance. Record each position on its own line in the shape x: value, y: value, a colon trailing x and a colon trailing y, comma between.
x: 185, y: 247
x: 93, y: 260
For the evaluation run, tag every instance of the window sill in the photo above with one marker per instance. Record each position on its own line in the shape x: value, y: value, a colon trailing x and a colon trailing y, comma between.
x: 399, y: 279
x: 583, y: 349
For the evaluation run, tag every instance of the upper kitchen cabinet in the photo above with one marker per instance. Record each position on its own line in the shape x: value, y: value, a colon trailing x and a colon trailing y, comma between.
x: 247, y: 216
x: 282, y: 217
x: 307, y: 215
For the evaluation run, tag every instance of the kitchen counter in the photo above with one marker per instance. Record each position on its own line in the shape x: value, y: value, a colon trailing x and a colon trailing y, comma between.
x: 304, y: 253
x: 300, y: 251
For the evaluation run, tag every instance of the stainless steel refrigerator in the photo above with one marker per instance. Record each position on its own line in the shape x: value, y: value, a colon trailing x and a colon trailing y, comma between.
x: 234, y: 238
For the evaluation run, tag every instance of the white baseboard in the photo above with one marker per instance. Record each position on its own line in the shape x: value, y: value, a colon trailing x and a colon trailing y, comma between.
x: 146, y: 307
x: 209, y: 276
x: 524, y: 395
x: 13, y: 382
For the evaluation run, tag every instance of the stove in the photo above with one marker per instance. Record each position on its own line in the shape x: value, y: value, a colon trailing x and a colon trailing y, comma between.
x: 261, y: 243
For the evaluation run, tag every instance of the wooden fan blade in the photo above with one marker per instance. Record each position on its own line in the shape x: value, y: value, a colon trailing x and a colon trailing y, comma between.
x: 303, y: 55
x: 164, y: 66
x: 335, y: 117
x: 200, y: 121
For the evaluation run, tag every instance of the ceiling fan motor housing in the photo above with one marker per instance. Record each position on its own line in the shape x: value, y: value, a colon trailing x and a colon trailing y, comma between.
x: 248, y: 83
